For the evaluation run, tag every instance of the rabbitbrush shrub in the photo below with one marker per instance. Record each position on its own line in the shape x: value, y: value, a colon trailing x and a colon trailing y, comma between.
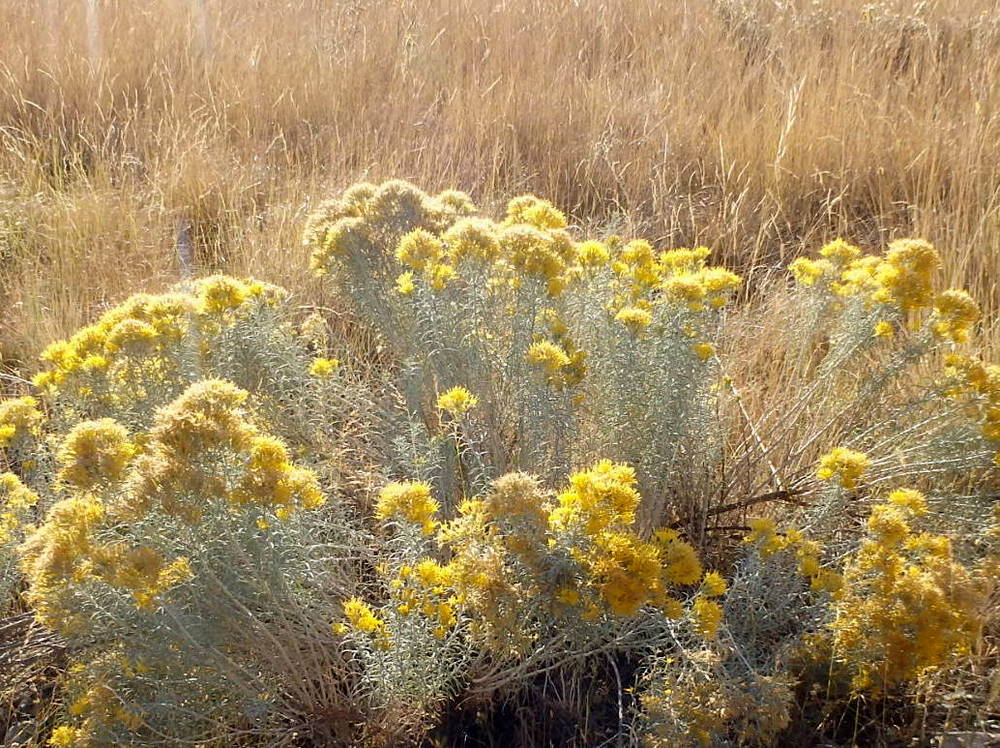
x: 563, y: 477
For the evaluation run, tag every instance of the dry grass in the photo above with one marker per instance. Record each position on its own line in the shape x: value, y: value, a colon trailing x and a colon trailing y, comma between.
x: 755, y: 127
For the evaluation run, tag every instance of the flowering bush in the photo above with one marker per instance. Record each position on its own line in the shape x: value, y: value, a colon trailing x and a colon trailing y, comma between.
x: 248, y: 531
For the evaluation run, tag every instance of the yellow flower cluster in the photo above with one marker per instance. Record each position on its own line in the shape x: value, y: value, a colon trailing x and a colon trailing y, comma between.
x: 424, y: 252
x: 714, y: 584
x: 201, y: 448
x: 904, y: 276
x: 56, y: 555
x: 626, y: 571
x: 768, y: 541
x: 704, y: 351
x: 706, y: 615
x: 907, y: 605
x: 884, y: 329
x: 361, y: 617
x: 271, y: 480
x: 686, y: 279
x: 16, y: 501
x: 63, y: 553
x: 809, y: 272
x: 457, y: 401
x: 527, y: 251
x: 955, y: 314
x: 409, y: 501
x: 369, y: 217
x: 527, y: 256
x: 555, y: 354
x: 680, y: 561
x: 841, y: 264
x: 599, y: 505
x: 597, y: 499
x: 66, y: 736
x: 141, y: 570
x: 478, y: 578
x: 95, y: 452
x: 141, y: 340
x: 517, y: 498
x: 634, y: 318
x: 505, y: 545
x: 20, y: 419
x: 677, y: 277
x: 324, y: 368
x: 472, y: 238
x: 636, y: 265
x: 429, y: 588
x: 844, y: 465
x: 209, y: 418
x: 902, y: 280
x: 979, y: 384
x: 530, y: 242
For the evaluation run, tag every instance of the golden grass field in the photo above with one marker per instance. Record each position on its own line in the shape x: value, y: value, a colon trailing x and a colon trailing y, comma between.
x: 756, y: 128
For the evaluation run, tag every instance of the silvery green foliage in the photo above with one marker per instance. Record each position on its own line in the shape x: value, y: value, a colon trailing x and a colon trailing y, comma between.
x: 645, y: 399
x: 738, y: 692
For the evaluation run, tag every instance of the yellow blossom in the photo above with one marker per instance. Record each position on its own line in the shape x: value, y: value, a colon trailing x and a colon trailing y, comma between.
x: 955, y: 313
x: 457, y: 400
x: 19, y: 418
x: 220, y: 293
x: 904, y: 276
x: 65, y: 736
x: 706, y: 615
x: 404, y: 283
x: 548, y: 355
x: 679, y: 559
x: 840, y: 251
x: 845, y: 465
x: 411, y: 501
x: 95, y: 452
x: 884, y: 329
x: 704, y: 351
x: 807, y: 272
x: 472, y: 238
x: 910, y: 499
x: 592, y: 254
x: 323, y: 368
x: 635, y: 319
x: 905, y: 606
x: 362, y: 617
x: 713, y: 585
x: 420, y: 248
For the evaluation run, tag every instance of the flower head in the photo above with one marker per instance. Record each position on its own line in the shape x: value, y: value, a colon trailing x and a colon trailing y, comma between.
x: 844, y: 465
x: 324, y: 368
x: 955, y: 313
x: 548, y: 355
x: 95, y: 452
x: 411, y: 501
x: 635, y: 319
x: 19, y: 417
x: 457, y: 400
x: 706, y: 615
